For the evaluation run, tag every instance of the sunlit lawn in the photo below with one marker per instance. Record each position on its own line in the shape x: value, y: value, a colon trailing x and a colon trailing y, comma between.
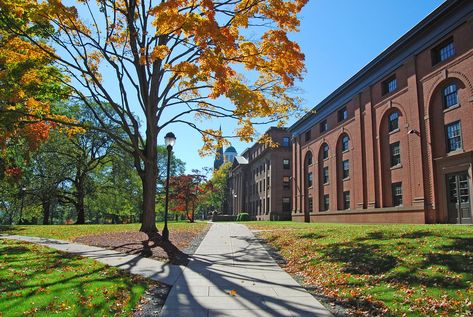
x: 38, y: 281
x: 70, y: 232
x: 385, y: 269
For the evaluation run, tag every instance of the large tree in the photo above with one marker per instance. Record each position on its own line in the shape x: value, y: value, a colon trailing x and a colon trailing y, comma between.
x: 171, y: 61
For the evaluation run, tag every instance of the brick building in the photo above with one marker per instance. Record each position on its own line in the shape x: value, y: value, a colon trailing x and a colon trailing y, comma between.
x: 395, y: 142
x: 259, y: 181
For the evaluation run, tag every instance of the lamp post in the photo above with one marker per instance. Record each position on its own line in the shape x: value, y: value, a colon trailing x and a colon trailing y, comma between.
x: 169, y: 140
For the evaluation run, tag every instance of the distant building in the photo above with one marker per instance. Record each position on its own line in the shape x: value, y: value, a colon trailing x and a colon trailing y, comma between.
x: 395, y: 142
x: 218, y: 162
x: 259, y: 181
x: 229, y: 154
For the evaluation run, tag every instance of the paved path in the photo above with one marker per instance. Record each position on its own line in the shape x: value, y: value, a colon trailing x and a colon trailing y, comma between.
x: 230, y: 261
x: 135, y: 264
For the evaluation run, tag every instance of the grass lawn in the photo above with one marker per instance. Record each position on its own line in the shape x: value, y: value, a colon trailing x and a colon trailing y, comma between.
x: 387, y: 270
x: 38, y: 281
x: 70, y: 232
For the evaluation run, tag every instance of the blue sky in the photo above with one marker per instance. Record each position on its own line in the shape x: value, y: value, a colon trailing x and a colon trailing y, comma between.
x: 338, y: 38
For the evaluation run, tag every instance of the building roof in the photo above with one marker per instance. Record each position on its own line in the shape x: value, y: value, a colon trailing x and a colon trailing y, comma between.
x: 433, y: 27
x: 241, y: 160
x: 230, y: 149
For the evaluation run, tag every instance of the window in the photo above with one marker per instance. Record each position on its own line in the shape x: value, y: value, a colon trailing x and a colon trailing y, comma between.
x: 285, y: 141
x: 325, y: 177
x: 393, y: 123
x: 323, y: 126
x: 309, y: 158
x: 450, y: 96
x: 285, y: 164
x: 397, y: 194
x: 307, y: 136
x: 310, y: 204
x: 454, y: 140
x: 346, y: 200
x: 310, y: 179
x: 267, y: 182
x: 286, y: 182
x: 268, y: 205
x: 395, y: 150
x: 389, y: 85
x: 286, y: 204
x: 443, y: 52
x: 345, y: 169
x: 325, y: 149
x: 345, y: 143
x: 342, y: 114
x: 326, y: 202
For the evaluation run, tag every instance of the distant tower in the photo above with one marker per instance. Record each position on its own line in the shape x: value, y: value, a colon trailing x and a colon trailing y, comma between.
x: 219, y: 156
x: 230, y: 154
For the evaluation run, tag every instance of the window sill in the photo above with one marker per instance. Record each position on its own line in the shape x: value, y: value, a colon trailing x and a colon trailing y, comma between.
x: 388, y: 93
x: 395, y: 167
x: 346, y: 179
x: 455, y: 152
x: 451, y: 108
x: 439, y: 63
x: 326, y: 184
x: 346, y: 151
x: 325, y: 159
x: 394, y: 131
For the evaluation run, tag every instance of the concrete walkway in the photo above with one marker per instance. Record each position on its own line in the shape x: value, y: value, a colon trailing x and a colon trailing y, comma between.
x: 231, y: 274
x: 135, y: 264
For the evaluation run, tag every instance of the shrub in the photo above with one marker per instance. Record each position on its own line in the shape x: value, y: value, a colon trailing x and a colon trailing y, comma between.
x: 243, y: 216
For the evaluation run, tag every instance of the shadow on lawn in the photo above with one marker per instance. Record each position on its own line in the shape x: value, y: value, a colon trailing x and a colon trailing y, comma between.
x: 51, y: 273
x: 10, y: 229
x: 360, y: 258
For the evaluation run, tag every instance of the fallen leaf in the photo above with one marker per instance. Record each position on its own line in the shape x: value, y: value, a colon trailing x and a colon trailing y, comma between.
x: 232, y: 292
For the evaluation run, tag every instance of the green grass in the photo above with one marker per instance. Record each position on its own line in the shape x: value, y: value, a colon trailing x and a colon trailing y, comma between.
x: 417, y: 270
x: 38, y: 281
x: 70, y: 232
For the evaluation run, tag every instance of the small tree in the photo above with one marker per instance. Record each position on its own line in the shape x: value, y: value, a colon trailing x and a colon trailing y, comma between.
x: 185, y: 193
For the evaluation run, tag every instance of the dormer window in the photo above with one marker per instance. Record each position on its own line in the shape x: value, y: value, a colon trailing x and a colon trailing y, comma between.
x: 443, y: 51
x: 389, y: 85
x: 307, y: 136
x: 342, y: 114
x: 323, y: 126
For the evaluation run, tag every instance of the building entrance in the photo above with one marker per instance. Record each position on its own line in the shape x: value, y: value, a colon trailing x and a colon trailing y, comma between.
x: 459, y: 199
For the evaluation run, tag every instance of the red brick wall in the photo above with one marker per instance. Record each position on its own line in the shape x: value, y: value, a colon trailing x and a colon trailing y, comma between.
x: 424, y: 161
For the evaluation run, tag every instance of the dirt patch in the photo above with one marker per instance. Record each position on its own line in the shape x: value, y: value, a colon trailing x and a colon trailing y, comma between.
x: 182, y: 244
x: 152, y: 301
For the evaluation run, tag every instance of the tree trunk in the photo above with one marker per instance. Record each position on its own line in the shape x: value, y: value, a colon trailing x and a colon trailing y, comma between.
x: 149, y: 179
x: 80, y: 203
x: 46, y: 211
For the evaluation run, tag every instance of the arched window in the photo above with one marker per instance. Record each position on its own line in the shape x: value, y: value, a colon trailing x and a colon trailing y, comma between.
x: 309, y: 158
x: 325, y: 151
x: 345, y: 143
x: 450, y: 96
x: 393, y: 123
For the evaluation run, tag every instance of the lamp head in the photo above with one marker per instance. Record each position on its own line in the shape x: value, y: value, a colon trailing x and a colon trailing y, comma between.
x: 170, y: 139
